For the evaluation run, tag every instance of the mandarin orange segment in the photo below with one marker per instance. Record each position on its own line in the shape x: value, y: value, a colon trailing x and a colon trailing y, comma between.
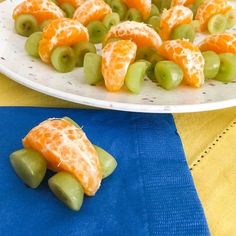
x: 74, y: 3
x: 220, y: 43
x: 92, y: 10
x: 143, y: 6
x: 172, y: 18
x: 210, y: 8
x: 188, y: 57
x: 139, y: 33
x: 41, y: 9
x: 66, y: 148
x: 116, y: 58
x: 181, y: 2
x: 61, y: 32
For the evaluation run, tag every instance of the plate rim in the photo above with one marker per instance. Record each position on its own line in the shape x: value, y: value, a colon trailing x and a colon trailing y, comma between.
x: 142, y: 108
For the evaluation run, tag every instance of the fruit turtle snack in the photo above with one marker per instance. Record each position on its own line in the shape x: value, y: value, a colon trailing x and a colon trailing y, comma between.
x: 188, y: 57
x: 31, y: 14
x: 174, y: 20
x: 97, y: 16
x: 219, y: 51
x: 91, y: 10
x: 57, y: 43
x: 62, y: 146
x: 116, y: 58
x: 54, y: 47
x: 214, y: 15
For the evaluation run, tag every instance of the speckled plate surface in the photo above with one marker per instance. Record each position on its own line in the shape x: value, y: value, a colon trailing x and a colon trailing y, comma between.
x: 17, y: 65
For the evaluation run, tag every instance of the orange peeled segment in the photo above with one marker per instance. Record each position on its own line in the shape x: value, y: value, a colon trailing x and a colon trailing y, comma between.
x: 210, y: 8
x: 139, y: 33
x: 74, y: 3
x: 220, y: 43
x: 181, y: 2
x: 116, y: 58
x: 172, y: 18
x: 143, y: 6
x: 41, y: 9
x: 188, y: 57
x: 91, y: 10
x: 61, y: 32
x: 66, y: 148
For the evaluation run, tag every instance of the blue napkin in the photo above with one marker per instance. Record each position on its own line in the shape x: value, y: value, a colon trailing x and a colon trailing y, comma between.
x: 150, y: 193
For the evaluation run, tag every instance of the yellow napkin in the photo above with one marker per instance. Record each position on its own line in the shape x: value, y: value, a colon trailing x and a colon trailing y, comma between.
x: 197, y: 130
x: 214, y: 172
x: 209, y: 141
x: 13, y: 94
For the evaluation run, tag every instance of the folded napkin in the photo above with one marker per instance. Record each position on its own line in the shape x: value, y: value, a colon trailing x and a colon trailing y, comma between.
x: 217, y: 191
x: 150, y: 193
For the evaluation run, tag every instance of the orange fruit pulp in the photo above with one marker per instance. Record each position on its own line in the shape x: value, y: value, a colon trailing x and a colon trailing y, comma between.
x: 74, y: 3
x: 91, y: 10
x: 144, y: 6
x: 139, y: 33
x: 219, y: 43
x: 181, y: 2
x: 116, y: 58
x: 41, y: 9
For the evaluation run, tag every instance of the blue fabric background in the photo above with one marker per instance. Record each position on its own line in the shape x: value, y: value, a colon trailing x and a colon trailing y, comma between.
x: 150, y: 193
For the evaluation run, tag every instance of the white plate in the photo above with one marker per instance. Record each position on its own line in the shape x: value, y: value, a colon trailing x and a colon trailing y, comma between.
x: 16, y: 64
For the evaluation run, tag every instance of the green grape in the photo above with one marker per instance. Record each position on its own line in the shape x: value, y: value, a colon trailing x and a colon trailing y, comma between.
x: 80, y: 50
x: 168, y: 74
x: 63, y: 59
x: 107, y: 161
x: 93, y: 68
x: 97, y: 31
x: 135, y: 76
x: 26, y: 24
x: 212, y: 64
x: 32, y: 44
x: 227, y: 71
x: 30, y: 166
x: 111, y: 19
x: 67, y: 189
x: 217, y: 24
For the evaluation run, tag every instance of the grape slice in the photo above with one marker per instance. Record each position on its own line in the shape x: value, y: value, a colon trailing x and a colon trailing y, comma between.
x: 63, y: 59
x: 107, y: 161
x: 97, y: 31
x: 32, y: 44
x: 67, y: 189
x: 111, y: 19
x: 212, y: 64
x: 135, y: 76
x: 227, y: 71
x: 168, y: 74
x: 217, y: 24
x: 29, y: 165
x: 26, y: 24
x: 80, y: 50
x: 93, y: 68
